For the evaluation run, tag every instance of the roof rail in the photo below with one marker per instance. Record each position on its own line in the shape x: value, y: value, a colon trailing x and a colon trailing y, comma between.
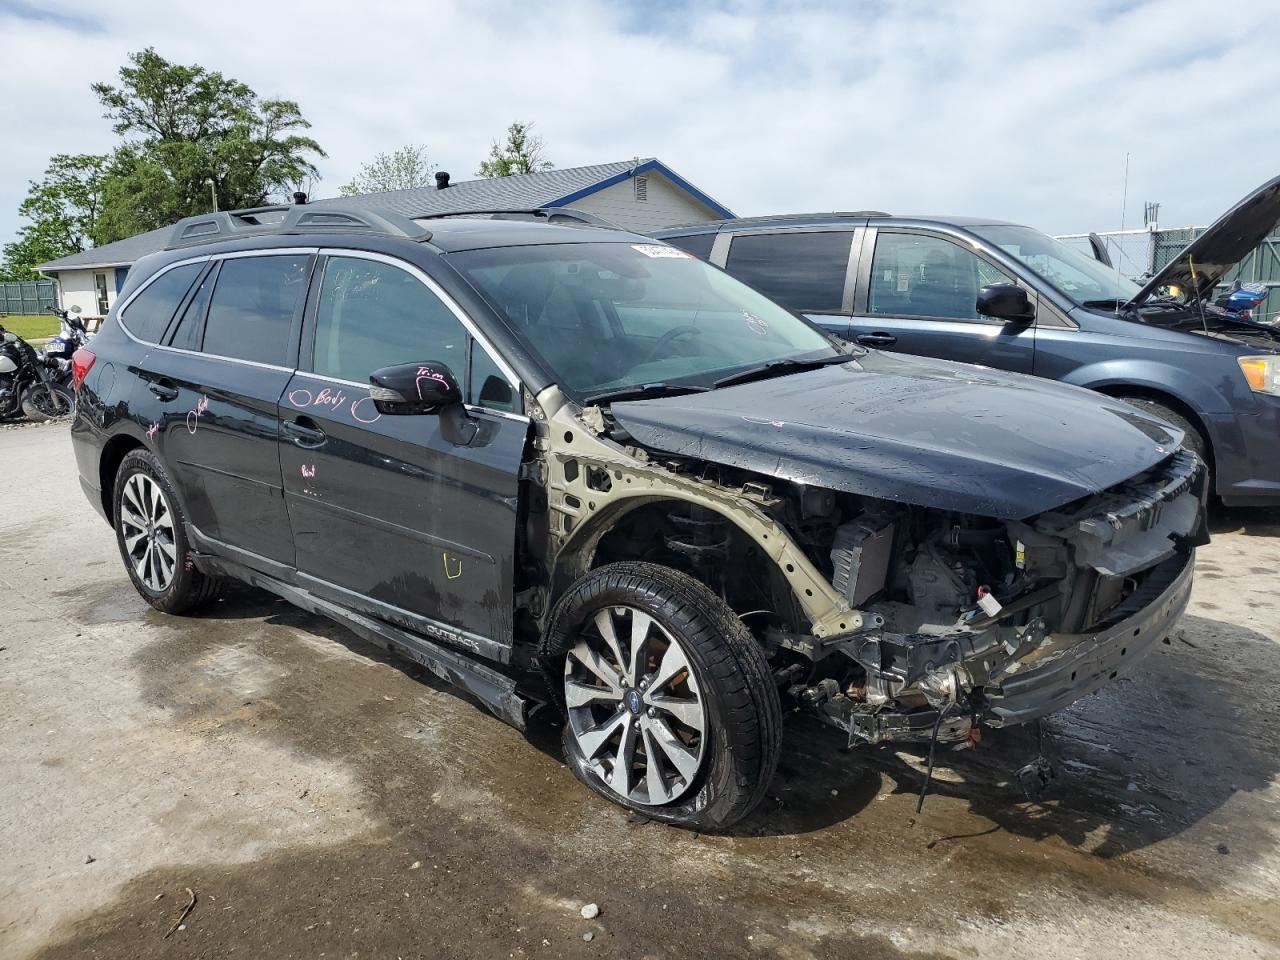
x: 289, y: 219
x: 550, y: 214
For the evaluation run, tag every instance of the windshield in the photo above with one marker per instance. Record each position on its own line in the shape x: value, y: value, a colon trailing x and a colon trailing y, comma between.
x: 1076, y: 274
x: 606, y: 317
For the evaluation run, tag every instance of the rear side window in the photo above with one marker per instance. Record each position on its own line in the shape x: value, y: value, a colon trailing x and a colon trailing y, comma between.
x: 373, y: 315
x: 186, y: 333
x: 149, y: 313
x: 699, y: 244
x: 802, y: 270
x: 252, y: 309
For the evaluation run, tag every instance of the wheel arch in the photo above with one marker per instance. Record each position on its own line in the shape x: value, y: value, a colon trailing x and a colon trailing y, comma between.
x: 113, y: 453
x: 1122, y: 391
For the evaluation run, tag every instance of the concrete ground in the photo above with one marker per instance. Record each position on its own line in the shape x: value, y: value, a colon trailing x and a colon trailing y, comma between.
x: 321, y: 800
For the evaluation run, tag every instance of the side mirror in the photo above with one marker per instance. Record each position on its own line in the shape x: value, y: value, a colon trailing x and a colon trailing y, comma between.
x: 408, y: 388
x: 1005, y: 301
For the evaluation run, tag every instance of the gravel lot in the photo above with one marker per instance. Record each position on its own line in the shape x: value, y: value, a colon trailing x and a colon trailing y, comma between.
x: 320, y: 799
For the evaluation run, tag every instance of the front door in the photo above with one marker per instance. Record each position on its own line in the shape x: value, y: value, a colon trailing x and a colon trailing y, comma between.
x: 409, y: 518
x: 919, y: 294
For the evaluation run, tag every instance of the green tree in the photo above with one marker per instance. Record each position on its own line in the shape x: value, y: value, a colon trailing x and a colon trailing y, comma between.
x: 63, y: 211
x: 523, y: 152
x: 402, y: 169
x: 191, y: 134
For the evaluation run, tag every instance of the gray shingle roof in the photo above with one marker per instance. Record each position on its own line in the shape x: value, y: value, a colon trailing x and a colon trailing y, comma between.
x: 119, y: 254
x: 520, y: 191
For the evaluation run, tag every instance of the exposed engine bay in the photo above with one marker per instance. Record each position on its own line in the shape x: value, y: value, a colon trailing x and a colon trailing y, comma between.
x: 892, y: 621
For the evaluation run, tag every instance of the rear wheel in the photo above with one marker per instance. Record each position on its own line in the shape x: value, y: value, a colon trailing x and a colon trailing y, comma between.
x: 152, y: 539
x: 47, y: 401
x: 671, y: 707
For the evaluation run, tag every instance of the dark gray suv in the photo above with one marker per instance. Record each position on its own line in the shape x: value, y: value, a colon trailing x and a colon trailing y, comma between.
x: 1008, y: 296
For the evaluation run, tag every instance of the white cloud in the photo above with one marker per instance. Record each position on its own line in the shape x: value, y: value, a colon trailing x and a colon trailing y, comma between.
x: 1017, y: 110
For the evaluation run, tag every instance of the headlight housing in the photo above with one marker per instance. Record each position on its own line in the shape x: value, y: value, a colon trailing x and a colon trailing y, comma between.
x: 1261, y: 373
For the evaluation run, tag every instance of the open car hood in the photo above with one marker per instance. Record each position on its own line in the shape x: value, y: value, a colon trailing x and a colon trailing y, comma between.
x: 1219, y: 248
x: 914, y: 430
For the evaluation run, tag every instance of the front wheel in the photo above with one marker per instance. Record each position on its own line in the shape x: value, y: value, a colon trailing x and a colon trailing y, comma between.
x: 47, y: 401
x: 671, y: 707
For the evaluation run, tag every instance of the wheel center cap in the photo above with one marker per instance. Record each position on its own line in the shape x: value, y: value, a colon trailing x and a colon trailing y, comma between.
x: 632, y: 699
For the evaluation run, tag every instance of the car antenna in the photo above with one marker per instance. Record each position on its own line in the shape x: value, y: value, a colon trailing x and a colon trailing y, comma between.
x: 1124, y: 207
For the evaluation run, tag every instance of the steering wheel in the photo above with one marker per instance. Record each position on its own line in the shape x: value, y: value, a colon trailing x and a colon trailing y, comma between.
x: 668, y: 338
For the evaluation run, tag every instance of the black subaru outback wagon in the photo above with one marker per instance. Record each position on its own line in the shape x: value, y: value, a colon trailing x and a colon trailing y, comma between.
x: 567, y: 464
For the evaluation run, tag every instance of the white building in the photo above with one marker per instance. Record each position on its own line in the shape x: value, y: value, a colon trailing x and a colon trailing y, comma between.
x: 639, y: 195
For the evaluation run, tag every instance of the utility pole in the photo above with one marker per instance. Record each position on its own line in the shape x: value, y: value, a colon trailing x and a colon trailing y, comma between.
x: 213, y: 192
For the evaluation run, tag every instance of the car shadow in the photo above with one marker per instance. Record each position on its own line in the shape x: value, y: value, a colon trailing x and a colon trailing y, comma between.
x: 1249, y: 521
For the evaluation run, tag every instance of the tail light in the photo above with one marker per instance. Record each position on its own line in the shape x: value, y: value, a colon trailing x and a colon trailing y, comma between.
x: 82, y: 362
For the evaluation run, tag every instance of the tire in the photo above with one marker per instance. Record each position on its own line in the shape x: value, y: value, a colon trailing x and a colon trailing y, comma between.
x: 1193, y: 438
x: 700, y: 665
x: 152, y: 537
x: 41, y: 402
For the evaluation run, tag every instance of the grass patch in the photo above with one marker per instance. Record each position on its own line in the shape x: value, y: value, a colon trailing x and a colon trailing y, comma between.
x: 30, y: 328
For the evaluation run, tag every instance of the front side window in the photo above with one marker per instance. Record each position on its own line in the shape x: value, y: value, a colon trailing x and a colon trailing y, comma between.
x: 921, y: 276
x: 372, y: 315
x: 149, y: 313
x: 802, y: 269
x: 1079, y: 276
x: 611, y: 316
x: 251, y: 312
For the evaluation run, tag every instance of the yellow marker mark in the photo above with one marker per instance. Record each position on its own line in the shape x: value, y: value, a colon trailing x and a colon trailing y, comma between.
x: 452, y: 575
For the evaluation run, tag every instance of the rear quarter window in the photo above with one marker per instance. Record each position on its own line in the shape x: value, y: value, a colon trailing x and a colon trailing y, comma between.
x: 802, y: 270
x: 699, y: 244
x: 149, y: 313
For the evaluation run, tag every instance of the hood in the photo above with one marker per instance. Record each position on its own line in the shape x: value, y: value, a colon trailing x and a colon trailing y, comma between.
x: 914, y: 430
x: 1221, y: 247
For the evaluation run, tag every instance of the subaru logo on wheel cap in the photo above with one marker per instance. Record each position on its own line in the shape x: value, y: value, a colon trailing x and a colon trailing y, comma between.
x: 632, y: 700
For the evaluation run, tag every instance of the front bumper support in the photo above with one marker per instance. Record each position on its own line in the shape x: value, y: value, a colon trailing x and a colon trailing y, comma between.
x: 1071, y: 666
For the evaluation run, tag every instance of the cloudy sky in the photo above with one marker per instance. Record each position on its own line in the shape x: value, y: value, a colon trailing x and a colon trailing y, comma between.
x: 1013, y: 109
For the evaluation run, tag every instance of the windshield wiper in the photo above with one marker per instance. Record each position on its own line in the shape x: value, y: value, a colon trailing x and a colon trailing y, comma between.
x: 776, y: 368
x: 644, y: 391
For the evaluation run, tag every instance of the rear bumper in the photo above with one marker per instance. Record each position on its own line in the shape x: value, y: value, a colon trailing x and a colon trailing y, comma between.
x: 1071, y: 666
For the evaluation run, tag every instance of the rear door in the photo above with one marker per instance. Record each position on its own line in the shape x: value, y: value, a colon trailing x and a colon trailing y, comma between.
x: 408, y: 518
x: 917, y: 292
x: 805, y: 269
x: 220, y: 375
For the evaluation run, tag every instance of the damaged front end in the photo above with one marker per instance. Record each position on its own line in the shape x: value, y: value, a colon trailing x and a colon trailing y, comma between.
x: 1001, y: 622
x: 892, y: 621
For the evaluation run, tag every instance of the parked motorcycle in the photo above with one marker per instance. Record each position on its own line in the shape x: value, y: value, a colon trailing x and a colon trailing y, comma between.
x: 57, y: 353
x: 1242, y: 299
x: 27, y: 385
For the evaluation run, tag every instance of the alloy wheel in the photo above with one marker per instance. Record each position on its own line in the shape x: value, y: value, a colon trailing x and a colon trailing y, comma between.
x: 635, y: 707
x: 146, y: 523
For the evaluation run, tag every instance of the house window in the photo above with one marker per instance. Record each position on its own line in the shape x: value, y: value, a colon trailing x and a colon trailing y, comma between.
x: 100, y: 285
x: 642, y: 188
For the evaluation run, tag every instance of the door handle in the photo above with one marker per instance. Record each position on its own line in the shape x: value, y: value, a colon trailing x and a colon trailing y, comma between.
x: 876, y: 339
x: 304, y: 432
x: 163, y: 389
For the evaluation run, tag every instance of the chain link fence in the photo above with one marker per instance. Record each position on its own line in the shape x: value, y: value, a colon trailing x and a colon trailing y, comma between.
x: 26, y: 298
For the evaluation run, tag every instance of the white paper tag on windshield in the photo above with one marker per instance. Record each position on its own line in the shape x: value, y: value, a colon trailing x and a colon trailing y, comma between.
x: 662, y: 250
